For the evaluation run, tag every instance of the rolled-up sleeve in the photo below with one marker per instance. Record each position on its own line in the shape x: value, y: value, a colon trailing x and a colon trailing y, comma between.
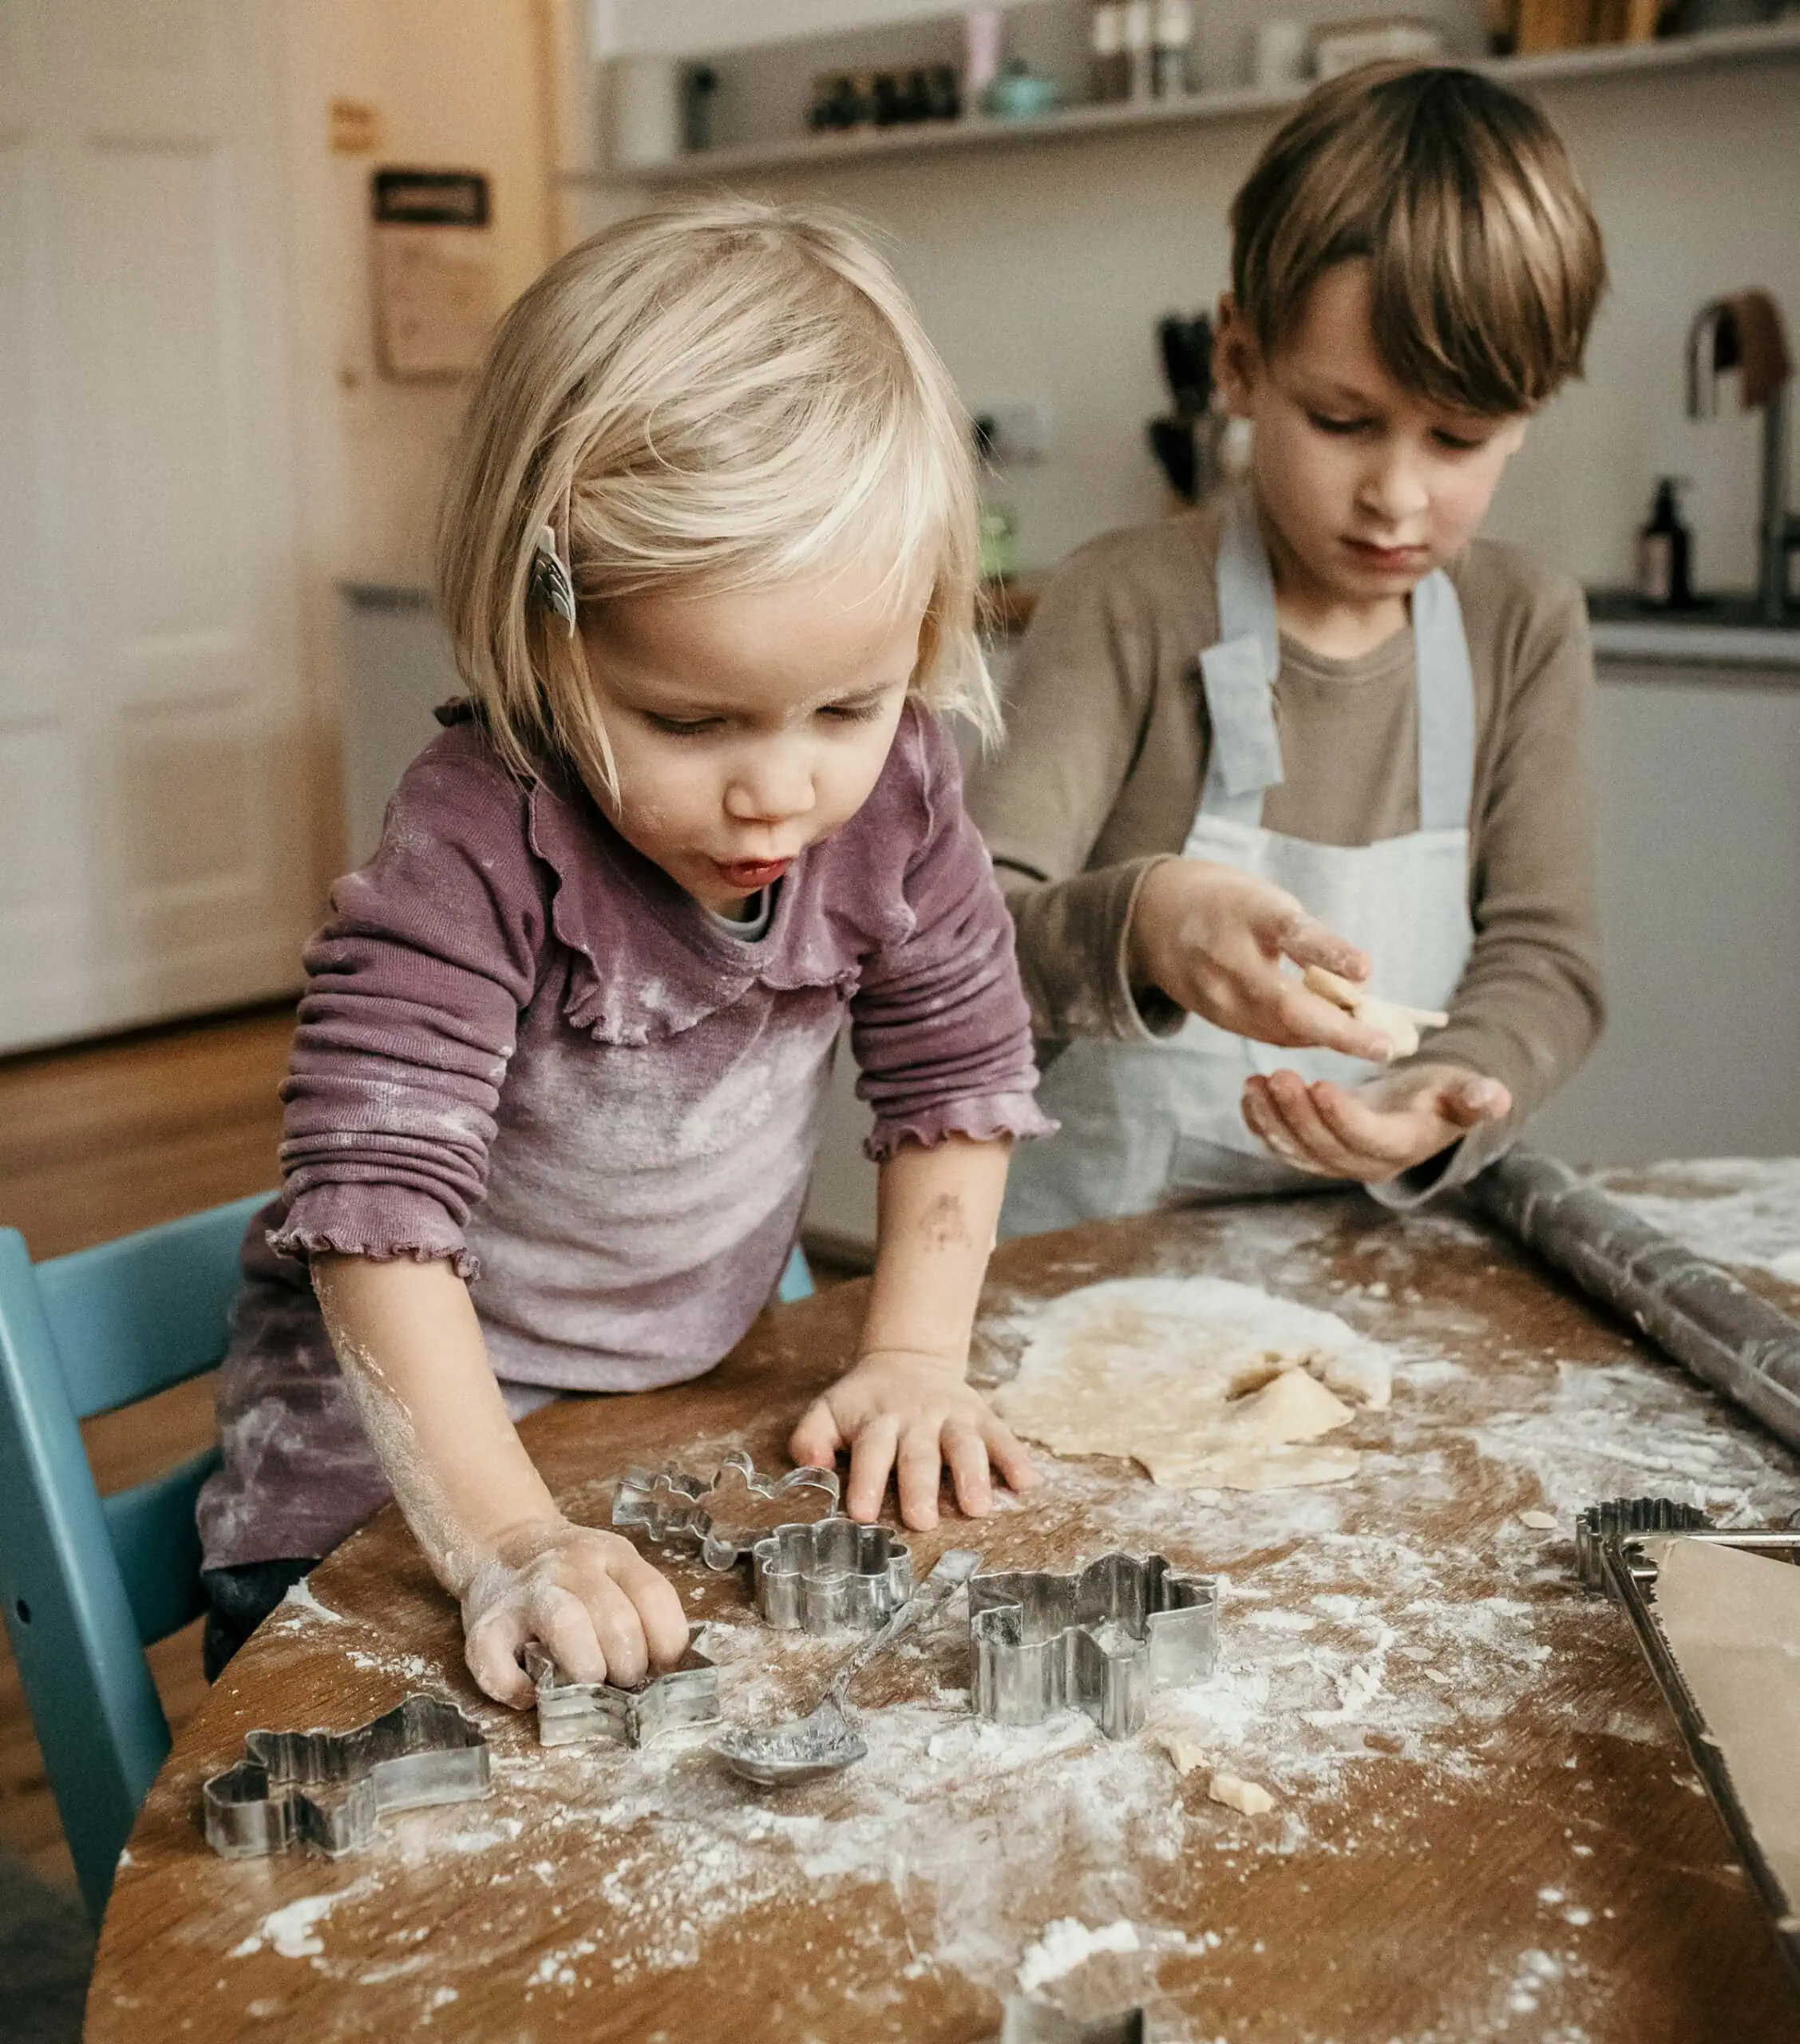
x: 410, y: 1014
x: 939, y: 1025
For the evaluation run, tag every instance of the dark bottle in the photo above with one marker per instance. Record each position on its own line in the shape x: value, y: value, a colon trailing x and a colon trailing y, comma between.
x: 1665, y: 551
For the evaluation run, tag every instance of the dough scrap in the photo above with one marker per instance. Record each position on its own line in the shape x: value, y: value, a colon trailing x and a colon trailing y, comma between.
x: 1205, y: 1384
x: 1184, y: 1749
x: 1250, y: 1798
x: 1539, y: 1521
x: 1393, y: 1019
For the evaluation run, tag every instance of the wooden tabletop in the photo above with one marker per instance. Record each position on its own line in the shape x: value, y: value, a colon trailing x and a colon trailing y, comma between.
x: 1487, y: 1827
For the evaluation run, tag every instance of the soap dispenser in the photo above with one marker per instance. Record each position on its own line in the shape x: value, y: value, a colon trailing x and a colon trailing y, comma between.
x: 1665, y: 551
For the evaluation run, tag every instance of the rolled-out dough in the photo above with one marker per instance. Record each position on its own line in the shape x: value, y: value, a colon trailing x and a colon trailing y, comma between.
x: 1206, y: 1384
x: 1732, y: 1622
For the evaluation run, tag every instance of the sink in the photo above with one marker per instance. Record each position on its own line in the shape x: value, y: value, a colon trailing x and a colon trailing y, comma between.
x: 1736, y: 610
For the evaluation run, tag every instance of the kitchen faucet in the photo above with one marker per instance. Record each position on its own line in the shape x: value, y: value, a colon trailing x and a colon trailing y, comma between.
x: 1745, y: 332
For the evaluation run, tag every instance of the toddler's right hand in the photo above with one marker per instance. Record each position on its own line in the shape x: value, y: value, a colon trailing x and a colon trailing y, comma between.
x: 588, y: 1598
x: 1212, y: 939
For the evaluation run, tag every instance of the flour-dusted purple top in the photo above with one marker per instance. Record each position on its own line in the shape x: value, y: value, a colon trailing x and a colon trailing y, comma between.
x: 525, y: 1049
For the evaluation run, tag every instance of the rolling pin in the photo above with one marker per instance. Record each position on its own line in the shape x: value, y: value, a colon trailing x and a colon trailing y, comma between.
x: 1717, y: 1328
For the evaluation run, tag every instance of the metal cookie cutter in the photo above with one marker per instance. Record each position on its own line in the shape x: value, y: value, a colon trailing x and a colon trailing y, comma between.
x: 833, y: 1576
x: 1625, y: 1519
x: 1033, y: 2022
x: 675, y: 1506
x: 1100, y: 1640
x: 326, y: 1790
x: 569, y: 1712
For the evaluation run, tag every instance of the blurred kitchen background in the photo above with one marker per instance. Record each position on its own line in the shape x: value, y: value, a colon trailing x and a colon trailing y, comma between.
x: 249, y: 250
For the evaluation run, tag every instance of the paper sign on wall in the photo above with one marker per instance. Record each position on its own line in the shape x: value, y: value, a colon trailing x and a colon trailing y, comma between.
x: 437, y: 286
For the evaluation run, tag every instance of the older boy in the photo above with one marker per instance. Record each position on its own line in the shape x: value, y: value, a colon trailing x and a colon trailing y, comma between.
x: 1328, y: 683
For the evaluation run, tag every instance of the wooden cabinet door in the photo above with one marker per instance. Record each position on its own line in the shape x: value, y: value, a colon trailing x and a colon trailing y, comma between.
x: 154, y: 758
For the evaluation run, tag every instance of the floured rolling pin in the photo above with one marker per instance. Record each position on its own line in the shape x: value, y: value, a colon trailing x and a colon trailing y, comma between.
x: 1695, y: 1312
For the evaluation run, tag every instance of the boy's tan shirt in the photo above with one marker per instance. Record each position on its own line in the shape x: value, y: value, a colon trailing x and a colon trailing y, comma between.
x: 1107, y: 753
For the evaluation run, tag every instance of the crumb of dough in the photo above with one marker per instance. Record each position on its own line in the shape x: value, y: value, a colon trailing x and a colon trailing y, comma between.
x: 1186, y: 1752
x: 1539, y: 1521
x: 1249, y: 1797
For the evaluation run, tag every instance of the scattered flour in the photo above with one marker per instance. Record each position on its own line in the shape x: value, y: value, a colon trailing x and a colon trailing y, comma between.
x: 1067, y: 1943
x: 304, y: 1605
x: 289, y: 1930
x: 1734, y: 1209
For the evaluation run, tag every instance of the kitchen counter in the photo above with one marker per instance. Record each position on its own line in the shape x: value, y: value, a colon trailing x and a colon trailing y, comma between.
x: 1726, y: 633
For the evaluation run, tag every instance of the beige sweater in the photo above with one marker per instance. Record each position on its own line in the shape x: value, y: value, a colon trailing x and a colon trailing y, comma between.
x: 1106, y: 755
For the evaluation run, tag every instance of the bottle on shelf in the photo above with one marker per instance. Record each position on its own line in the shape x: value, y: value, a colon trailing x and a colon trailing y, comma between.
x: 1139, y: 49
x: 1171, y: 49
x: 1109, y: 75
x: 1665, y: 552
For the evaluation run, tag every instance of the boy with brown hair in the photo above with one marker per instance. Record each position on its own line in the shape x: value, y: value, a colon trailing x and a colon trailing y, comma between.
x: 1324, y: 693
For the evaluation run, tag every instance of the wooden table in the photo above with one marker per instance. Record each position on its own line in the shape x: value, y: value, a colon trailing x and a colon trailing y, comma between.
x: 1486, y: 1829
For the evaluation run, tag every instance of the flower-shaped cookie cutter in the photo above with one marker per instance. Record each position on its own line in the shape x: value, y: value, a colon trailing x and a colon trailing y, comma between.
x: 676, y: 1507
x: 570, y: 1712
x: 833, y: 1575
x: 327, y: 1790
x: 1098, y: 1639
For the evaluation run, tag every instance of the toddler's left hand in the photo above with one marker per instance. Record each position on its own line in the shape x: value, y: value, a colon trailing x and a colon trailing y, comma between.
x: 913, y: 1413
x: 1372, y: 1131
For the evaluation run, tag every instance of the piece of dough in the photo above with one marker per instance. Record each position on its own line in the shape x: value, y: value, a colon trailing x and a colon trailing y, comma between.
x: 1249, y: 1797
x: 1393, y: 1019
x: 1539, y: 1521
x: 1184, y: 1749
x: 1204, y: 1383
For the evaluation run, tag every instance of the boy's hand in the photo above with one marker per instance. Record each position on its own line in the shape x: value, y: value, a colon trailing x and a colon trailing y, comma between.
x: 1372, y: 1131
x: 1213, y: 939
x: 898, y: 1409
x: 588, y: 1598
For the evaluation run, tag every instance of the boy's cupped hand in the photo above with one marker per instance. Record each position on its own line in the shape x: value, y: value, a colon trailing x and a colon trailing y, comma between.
x: 588, y: 1598
x: 1214, y: 940
x: 914, y: 1414
x: 1372, y: 1131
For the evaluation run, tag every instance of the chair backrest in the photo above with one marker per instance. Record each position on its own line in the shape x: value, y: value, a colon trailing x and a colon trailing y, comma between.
x: 90, y: 1582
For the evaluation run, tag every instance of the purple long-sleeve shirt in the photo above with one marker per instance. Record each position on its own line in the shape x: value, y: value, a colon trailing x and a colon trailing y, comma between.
x: 523, y: 1048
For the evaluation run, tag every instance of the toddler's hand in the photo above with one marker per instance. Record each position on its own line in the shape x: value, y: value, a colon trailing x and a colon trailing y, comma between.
x: 1372, y: 1131
x: 915, y: 1415
x: 1213, y: 939
x: 589, y: 1598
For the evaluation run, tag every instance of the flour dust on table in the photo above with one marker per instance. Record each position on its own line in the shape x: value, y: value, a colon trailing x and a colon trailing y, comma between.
x: 1206, y: 1384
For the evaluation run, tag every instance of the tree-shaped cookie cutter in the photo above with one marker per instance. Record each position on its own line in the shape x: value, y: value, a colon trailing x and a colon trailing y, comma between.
x: 571, y: 1712
x: 1098, y: 1639
x: 833, y: 1575
x: 676, y: 1507
x: 327, y: 1790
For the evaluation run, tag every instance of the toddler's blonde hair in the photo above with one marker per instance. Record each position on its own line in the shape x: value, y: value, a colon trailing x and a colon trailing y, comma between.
x: 718, y: 395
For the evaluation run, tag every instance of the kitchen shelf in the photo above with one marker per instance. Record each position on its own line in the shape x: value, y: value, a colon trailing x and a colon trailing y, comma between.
x: 1770, y: 43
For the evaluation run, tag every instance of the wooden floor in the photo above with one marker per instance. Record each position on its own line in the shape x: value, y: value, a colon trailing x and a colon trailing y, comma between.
x: 95, y: 1142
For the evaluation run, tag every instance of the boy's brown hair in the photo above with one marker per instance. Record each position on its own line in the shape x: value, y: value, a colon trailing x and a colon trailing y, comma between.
x: 1485, y: 258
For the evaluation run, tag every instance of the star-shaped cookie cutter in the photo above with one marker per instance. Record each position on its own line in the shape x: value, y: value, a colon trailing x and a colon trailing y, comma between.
x: 833, y: 1575
x: 569, y: 1712
x: 326, y: 1790
x: 1035, y: 2023
x: 1098, y: 1639
x: 676, y: 1507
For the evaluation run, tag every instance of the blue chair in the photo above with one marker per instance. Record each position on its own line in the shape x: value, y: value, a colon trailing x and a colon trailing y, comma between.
x: 797, y: 1279
x: 90, y: 1582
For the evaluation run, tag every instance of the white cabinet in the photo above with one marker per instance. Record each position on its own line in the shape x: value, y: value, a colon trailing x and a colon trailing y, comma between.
x: 1699, y: 772
x: 702, y: 28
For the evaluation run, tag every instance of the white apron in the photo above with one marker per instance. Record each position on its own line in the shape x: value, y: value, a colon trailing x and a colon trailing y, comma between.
x: 1148, y: 1122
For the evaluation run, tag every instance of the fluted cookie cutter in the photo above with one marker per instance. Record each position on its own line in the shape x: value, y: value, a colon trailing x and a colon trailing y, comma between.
x: 1035, y: 2023
x: 1626, y: 1519
x: 326, y: 1790
x: 569, y: 1712
x: 676, y: 1507
x: 834, y: 1575
x: 1098, y: 1639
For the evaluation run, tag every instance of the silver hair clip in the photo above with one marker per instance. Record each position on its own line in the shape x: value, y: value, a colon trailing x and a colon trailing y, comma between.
x: 551, y: 584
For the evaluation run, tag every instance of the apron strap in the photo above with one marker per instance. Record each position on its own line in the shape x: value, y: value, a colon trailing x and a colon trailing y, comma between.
x: 1239, y: 675
x: 1446, y: 706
